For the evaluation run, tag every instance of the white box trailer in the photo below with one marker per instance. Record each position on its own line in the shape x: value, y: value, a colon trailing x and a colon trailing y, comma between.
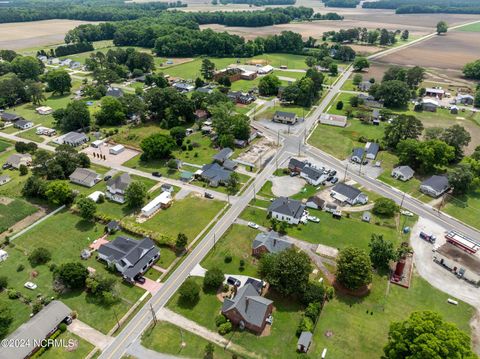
x: 115, y: 150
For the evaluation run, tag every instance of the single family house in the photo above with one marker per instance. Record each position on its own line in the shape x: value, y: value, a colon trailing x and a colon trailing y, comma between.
x: 85, y: 177
x: 74, y: 139
x: 371, y: 150
x: 269, y: 242
x: 435, y: 186
x: 18, y: 159
x: 348, y: 194
x: 162, y: 201
x: 23, y: 124
x: 289, y: 118
x: 117, y: 186
x: 286, y: 210
x: 403, y: 173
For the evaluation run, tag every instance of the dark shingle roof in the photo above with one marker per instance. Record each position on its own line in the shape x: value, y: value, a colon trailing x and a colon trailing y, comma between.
x: 346, y: 190
x: 406, y: 171
x: 249, y: 305
x: 437, y: 183
x: 294, y: 163
x: 223, y: 154
x: 312, y: 173
x: 5, y: 116
x: 358, y: 152
x: 216, y: 173
x: 121, y: 182
x: 317, y: 200
x: 285, y: 114
x: 272, y: 241
x: 373, y: 148
x: 287, y: 206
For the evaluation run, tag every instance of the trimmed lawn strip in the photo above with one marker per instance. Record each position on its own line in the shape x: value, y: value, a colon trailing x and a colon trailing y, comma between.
x: 169, y: 339
x: 60, y: 352
x: 13, y: 212
x: 360, y: 325
x: 466, y: 208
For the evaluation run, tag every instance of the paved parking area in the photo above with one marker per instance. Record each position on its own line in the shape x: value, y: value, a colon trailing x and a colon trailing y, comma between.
x: 111, y: 160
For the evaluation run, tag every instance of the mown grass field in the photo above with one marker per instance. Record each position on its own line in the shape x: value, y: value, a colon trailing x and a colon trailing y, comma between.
x: 59, y: 352
x: 13, y: 212
x: 169, y: 339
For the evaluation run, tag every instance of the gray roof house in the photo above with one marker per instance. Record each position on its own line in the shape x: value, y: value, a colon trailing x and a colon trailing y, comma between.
x: 38, y: 328
x: 315, y: 202
x: 269, y: 242
x: 435, y: 186
x: 85, y: 177
x: 74, y: 139
x: 222, y: 155
x: 4, y: 179
x: 248, y: 309
x: 371, y: 150
x: 403, y: 173
x: 117, y: 186
x: 304, y: 342
x: 23, y: 124
x: 285, y: 117
x: 287, y: 210
x: 365, y: 86
x: 17, y: 159
x: 358, y: 155
x: 129, y: 256
x: 313, y: 176
x: 114, y: 92
x: 348, y: 194
x: 295, y: 165
x: 9, y: 117
x: 215, y: 174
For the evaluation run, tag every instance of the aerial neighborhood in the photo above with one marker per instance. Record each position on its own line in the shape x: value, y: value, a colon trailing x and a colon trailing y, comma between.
x: 272, y: 179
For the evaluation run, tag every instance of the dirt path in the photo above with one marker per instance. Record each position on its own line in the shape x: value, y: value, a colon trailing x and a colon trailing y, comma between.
x: 187, y: 324
x: 24, y: 223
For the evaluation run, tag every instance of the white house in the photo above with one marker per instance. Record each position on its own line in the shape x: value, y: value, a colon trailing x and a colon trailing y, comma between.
x: 286, y: 210
x: 313, y: 176
x: 348, y: 194
x: 85, y: 177
x: 45, y: 131
x: 371, y: 150
x: 44, y: 110
x: 164, y: 200
x: 265, y: 70
x: 285, y: 117
x: 3, y: 255
x: 117, y: 186
x: 23, y: 124
x: 115, y: 150
x: 403, y: 173
x: 435, y: 186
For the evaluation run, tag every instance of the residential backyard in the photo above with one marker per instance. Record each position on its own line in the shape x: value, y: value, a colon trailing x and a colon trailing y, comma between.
x: 65, y: 235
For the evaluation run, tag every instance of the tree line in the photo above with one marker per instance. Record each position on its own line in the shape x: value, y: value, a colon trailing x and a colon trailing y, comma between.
x: 427, y: 6
x: 383, y: 36
x: 97, y: 11
x: 341, y: 3
x: 255, y: 2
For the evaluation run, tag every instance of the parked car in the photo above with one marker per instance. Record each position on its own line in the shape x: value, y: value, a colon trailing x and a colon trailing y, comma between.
x: 253, y: 225
x: 208, y: 195
x: 140, y: 280
x: 234, y: 281
x: 5, y: 166
x: 293, y: 174
x: 334, y: 180
x: 156, y: 174
x: 30, y: 285
x: 333, y: 173
x: 406, y: 213
x: 304, y: 220
x: 68, y: 320
x: 329, y: 178
x: 428, y: 237
x: 106, y: 178
x: 313, y: 219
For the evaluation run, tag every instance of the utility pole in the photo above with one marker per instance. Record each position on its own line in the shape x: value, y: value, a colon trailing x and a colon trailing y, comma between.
x: 346, y: 171
x: 278, y: 138
x: 214, y: 240
x: 153, y: 315
x: 254, y: 191
x: 116, y: 318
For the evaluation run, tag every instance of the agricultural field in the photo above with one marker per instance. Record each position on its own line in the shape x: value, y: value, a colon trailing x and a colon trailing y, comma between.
x: 12, y: 211
x: 451, y: 51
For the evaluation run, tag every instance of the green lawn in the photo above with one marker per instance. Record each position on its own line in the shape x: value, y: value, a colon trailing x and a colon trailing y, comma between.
x: 345, y: 98
x: 357, y: 331
x: 21, y: 312
x: 466, y: 208
x: 289, y: 60
x: 340, y: 141
x: 133, y: 135
x: 13, y: 188
x: 4, y: 145
x: 266, y: 190
x: 331, y: 232
x: 470, y: 28
x: 65, y: 235
x: 13, y: 212
x: 31, y: 135
x: 349, y: 86
x: 60, y: 352
x: 189, y: 216
x: 236, y: 242
x: 167, y: 338
x: 298, y: 110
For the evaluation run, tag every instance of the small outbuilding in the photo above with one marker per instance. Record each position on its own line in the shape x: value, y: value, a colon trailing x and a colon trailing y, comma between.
x: 304, y: 342
x: 117, y: 149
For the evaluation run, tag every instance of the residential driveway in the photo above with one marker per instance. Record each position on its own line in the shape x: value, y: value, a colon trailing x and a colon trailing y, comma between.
x: 198, y: 271
x: 435, y: 274
x: 137, y: 350
x: 150, y: 285
x: 89, y: 334
x: 287, y: 186
x: 182, y: 194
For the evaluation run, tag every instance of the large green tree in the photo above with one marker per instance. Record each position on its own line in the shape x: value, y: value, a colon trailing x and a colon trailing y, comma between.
x: 442, y: 27
x: 401, y: 128
x: 360, y: 63
x: 385, y: 207
x: 461, y: 179
x: 74, y: 117
x: 207, y: 69
x: 288, y: 271
x: 59, y: 193
x: 27, y: 67
x: 58, y: 81
x: 136, y: 194
x: 111, y: 112
x: 268, y: 85
x: 87, y: 208
x: 157, y: 146
x: 72, y: 275
x: 426, y: 335
x: 425, y: 156
x: 354, y: 268
x: 457, y: 137
x: 394, y: 93
x: 381, y: 251
x: 6, y: 319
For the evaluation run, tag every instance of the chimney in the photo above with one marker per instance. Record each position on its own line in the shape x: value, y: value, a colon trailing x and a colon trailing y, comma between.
x: 274, y: 242
x: 247, y: 300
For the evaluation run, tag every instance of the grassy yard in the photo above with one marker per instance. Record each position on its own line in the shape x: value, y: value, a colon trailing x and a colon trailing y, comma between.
x: 13, y: 212
x: 133, y: 135
x: 361, y: 325
x: 266, y: 190
x: 331, y: 232
x: 21, y: 312
x: 4, y: 145
x: 32, y: 136
x: 466, y: 208
x: 167, y: 338
x: 289, y: 60
x: 59, y: 352
x: 236, y: 242
x: 298, y: 110
x: 340, y: 141
x: 345, y: 98
x: 198, y: 212
x: 65, y: 235
x: 13, y: 188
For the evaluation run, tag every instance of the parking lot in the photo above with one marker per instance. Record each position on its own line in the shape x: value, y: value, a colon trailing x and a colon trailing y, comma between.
x: 110, y: 159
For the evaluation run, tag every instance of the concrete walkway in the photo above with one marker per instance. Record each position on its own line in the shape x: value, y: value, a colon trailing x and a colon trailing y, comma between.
x: 168, y: 316
x: 137, y: 350
x: 90, y: 334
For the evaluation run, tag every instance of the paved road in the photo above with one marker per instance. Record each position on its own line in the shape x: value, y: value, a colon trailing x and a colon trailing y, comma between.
x: 293, y: 144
